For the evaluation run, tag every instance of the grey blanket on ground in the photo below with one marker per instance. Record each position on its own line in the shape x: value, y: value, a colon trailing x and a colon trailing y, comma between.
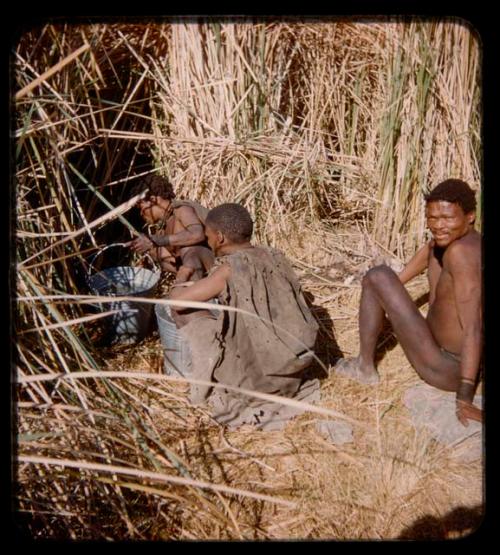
x: 434, y: 410
x: 267, y: 355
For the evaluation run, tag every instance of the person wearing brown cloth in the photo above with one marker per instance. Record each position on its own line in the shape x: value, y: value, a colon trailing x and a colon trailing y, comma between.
x: 179, y: 243
x: 265, y: 351
x: 445, y: 348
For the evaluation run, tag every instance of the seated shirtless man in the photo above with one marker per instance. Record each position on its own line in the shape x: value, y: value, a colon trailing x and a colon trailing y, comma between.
x: 446, y: 347
x: 179, y: 244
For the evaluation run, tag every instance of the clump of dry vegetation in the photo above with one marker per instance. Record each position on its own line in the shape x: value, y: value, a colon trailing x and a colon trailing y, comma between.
x: 328, y: 132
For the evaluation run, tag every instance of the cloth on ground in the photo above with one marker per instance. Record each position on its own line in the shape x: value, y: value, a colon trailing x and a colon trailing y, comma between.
x: 434, y: 410
x: 244, y: 351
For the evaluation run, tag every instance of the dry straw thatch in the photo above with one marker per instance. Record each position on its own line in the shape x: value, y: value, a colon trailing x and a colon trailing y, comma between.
x: 328, y: 132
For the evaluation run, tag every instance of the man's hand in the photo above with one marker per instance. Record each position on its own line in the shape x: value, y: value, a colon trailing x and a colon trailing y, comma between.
x: 141, y: 244
x: 466, y: 411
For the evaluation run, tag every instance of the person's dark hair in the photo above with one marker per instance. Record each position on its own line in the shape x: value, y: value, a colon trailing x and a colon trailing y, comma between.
x: 454, y: 190
x: 233, y: 220
x: 156, y: 185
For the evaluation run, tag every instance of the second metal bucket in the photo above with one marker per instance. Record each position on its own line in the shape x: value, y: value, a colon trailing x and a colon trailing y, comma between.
x: 176, y: 352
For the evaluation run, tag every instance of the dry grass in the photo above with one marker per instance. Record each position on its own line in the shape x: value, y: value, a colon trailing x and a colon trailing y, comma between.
x: 318, y: 128
x: 376, y: 487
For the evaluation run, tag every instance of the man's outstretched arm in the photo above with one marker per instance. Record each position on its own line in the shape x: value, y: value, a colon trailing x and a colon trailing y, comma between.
x: 203, y: 289
x: 465, y: 268
x: 416, y: 265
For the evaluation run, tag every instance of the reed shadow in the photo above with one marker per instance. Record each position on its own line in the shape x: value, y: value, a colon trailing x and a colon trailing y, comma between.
x: 459, y: 522
x: 326, y: 347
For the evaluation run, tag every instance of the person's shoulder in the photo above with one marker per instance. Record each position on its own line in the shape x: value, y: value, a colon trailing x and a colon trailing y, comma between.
x: 270, y: 254
x: 220, y: 269
x: 278, y: 260
x: 270, y: 250
x: 184, y: 208
x: 464, y: 249
x: 470, y: 241
x: 241, y: 258
x: 188, y: 203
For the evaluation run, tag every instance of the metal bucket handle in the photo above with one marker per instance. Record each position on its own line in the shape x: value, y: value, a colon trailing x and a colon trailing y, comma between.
x: 100, y: 251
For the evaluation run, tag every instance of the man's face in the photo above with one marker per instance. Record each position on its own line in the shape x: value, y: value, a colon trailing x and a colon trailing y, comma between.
x: 447, y: 221
x: 213, y: 238
x: 151, y: 211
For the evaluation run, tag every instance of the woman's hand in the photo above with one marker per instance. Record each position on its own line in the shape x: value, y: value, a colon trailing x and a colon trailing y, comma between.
x: 141, y: 244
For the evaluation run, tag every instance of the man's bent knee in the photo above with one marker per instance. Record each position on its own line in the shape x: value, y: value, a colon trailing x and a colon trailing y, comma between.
x: 378, y: 275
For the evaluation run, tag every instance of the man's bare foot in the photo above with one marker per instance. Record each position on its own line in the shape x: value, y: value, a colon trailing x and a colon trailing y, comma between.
x: 350, y: 368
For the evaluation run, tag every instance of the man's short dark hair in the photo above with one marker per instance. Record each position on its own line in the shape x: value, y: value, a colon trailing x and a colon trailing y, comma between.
x: 454, y: 190
x: 233, y: 220
x: 157, y: 185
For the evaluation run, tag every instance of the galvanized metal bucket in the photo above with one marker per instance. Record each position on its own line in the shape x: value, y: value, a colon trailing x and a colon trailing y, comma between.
x: 133, y: 320
x: 176, y: 351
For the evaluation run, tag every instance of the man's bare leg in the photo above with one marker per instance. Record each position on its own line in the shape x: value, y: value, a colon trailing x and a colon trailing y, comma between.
x: 384, y: 293
x: 371, y: 316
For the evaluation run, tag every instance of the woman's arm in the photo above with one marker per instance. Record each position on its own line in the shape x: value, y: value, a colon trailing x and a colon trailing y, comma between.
x: 192, y: 234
